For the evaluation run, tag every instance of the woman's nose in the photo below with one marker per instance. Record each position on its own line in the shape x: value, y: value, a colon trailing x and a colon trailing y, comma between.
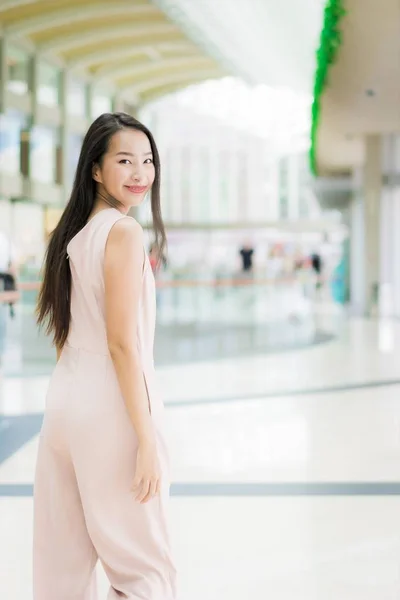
x: 137, y: 174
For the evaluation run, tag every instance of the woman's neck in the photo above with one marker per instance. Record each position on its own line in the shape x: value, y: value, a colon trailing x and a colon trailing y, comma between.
x: 104, y: 200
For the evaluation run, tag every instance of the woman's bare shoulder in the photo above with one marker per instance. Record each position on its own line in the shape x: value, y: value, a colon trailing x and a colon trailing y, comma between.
x: 125, y: 232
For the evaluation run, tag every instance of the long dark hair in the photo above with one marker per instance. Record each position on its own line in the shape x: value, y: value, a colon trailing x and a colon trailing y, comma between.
x: 53, y: 308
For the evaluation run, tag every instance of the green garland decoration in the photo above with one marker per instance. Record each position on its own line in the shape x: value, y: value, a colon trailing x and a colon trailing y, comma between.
x: 330, y: 41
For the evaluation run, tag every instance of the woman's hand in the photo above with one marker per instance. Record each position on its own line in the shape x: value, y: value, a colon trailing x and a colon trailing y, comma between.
x: 147, y: 481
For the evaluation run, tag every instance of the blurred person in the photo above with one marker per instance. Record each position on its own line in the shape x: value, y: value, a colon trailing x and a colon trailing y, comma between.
x: 317, y: 267
x: 101, y: 483
x: 247, y: 252
x: 156, y: 262
x: 153, y: 258
x: 8, y: 283
x: 298, y: 263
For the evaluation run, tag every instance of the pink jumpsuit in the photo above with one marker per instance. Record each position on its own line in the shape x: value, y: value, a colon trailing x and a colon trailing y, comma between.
x: 84, y: 508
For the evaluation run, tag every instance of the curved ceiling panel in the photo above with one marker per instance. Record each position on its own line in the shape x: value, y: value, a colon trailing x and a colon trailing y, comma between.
x: 165, y: 83
x: 130, y: 44
x: 264, y: 41
x: 67, y: 17
x: 171, y: 65
x: 272, y: 42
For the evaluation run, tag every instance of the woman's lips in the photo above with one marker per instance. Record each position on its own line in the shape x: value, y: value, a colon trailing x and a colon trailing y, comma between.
x: 136, y: 189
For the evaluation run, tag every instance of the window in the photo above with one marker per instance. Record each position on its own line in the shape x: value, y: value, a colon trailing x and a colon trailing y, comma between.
x: 11, y: 125
x: 76, y: 98
x: 17, y: 70
x: 74, y: 148
x: 283, y: 206
x: 48, y: 84
x: 101, y: 103
x: 43, y: 154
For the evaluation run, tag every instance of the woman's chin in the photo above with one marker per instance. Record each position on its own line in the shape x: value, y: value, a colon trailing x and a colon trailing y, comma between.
x: 136, y: 200
x: 131, y: 202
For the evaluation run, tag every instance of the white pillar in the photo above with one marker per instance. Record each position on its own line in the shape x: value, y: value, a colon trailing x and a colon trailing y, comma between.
x: 176, y: 184
x: 366, y: 229
x: 233, y: 166
x: 33, y: 86
x: 357, y: 242
x: 293, y: 187
x: 189, y: 208
x: 273, y: 195
x: 3, y: 74
x: 64, y: 133
x: 372, y: 194
x: 214, y: 180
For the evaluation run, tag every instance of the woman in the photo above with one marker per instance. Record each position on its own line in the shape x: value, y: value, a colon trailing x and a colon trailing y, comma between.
x: 101, y: 479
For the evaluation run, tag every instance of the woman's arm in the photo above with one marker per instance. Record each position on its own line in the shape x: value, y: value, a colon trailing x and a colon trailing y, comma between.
x: 123, y: 269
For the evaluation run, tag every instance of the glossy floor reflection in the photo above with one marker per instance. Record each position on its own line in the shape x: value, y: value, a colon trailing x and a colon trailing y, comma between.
x: 241, y: 430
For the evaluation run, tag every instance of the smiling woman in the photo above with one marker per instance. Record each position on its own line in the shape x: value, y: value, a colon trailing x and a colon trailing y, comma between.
x: 98, y: 301
x: 102, y: 180
x: 127, y: 166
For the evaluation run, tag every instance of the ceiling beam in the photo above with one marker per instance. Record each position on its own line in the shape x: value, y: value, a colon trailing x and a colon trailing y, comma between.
x: 108, y: 55
x: 164, y: 90
x: 103, y: 34
x: 53, y: 19
x: 111, y: 73
x: 185, y: 77
x: 10, y: 4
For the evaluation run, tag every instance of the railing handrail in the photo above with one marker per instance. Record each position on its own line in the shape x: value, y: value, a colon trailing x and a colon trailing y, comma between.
x: 25, y: 286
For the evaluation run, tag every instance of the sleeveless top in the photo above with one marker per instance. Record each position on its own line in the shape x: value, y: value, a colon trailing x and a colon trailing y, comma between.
x: 88, y: 323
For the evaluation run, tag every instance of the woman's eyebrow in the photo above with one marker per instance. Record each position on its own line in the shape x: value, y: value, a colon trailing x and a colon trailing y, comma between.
x: 130, y: 153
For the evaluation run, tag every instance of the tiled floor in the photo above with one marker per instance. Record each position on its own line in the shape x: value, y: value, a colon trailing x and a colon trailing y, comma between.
x: 327, y: 415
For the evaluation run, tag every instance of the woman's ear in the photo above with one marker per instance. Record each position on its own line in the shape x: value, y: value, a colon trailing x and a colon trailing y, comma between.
x: 96, y: 173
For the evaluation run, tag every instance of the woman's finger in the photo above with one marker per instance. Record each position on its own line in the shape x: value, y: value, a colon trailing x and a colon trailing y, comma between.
x: 144, y: 490
x: 152, y: 491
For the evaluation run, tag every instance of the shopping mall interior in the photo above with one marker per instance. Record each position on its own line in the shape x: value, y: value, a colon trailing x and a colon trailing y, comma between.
x: 277, y: 344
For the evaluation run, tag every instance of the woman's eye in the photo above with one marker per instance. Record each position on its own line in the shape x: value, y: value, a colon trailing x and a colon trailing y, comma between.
x: 124, y: 161
x: 148, y: 161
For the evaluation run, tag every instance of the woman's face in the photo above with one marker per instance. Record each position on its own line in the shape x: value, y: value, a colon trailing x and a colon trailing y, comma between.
x: 127, y: 171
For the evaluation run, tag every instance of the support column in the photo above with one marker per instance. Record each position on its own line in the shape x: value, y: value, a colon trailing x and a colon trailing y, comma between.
x: 118, y: 104
x: 293, y: 187
x: 214, y: 182
x: 357, y: 242
x: 372, y: 195
x: 365, y: 272
x: 27, y: 132
x: 62, y: 148
x: 121, y: 105
x: 3, y: 74
x: 33, y: 86
x: 233, y: 192
x: 88, y: 102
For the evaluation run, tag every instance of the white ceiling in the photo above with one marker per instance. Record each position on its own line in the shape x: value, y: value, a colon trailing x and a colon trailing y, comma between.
x: 363, y: 92
x: 264, y: 41
x: 278, y: 115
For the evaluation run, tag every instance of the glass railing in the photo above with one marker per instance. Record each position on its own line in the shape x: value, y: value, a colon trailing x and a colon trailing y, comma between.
x: 198, y: 318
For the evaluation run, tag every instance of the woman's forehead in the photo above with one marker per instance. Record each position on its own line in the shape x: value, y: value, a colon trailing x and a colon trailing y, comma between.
x: 131, y: 141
